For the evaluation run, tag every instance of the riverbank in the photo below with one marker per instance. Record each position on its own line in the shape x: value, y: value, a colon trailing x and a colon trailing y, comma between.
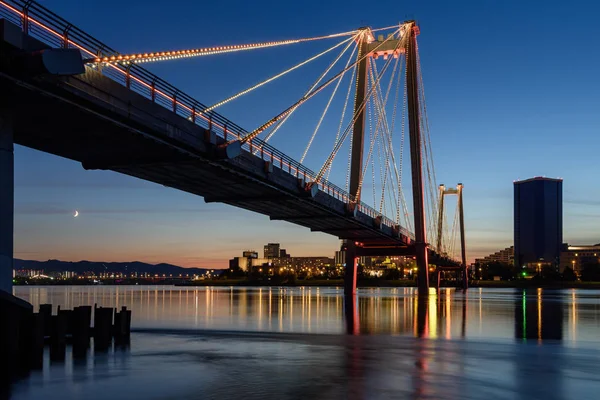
x: 529, y: 284
x: 364, y: 283
x: 374, y: 283
x: 298, y: 283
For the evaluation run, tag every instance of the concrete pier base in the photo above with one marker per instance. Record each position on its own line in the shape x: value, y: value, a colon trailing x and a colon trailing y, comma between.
x: 351, y: 270
x: 7, y: 178
x: 350, y: 298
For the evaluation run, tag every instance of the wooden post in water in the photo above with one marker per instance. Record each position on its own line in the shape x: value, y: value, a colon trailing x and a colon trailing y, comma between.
x: 36, y: 353
x: 122, y: 328
x: 82, y: 318
x: 103, y: 318
x: 58, y: 336
x: 46, y: 313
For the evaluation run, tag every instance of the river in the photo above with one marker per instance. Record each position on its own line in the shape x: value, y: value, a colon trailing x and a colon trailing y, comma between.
x: 257, y: 343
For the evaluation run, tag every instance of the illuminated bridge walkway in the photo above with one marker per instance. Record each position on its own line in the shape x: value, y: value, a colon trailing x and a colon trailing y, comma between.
x: 66, y: 93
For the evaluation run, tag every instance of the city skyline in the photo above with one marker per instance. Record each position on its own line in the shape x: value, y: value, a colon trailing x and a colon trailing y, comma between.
x: 499, y: 103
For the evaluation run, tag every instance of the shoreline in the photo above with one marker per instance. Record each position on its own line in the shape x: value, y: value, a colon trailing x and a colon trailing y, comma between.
x: 402, y: 284
x: 337, y: 283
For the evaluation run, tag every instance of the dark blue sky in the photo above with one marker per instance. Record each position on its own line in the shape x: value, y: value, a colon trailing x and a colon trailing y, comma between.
x: 511, y: 87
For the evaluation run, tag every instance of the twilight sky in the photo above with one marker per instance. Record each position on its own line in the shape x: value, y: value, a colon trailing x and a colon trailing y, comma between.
x: 512, y: 92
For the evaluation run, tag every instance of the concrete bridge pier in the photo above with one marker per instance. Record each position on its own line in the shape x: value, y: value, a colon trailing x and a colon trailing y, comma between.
x: 15, y: 314
x: 351, y: 270
x: 7, y: 180
x: 350, y: 298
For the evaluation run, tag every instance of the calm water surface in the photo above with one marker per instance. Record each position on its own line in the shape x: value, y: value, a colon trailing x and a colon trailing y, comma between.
x: 197, y: 343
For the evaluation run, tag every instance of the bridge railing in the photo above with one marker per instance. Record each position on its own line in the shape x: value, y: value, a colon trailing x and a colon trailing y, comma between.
x: 53, y: 30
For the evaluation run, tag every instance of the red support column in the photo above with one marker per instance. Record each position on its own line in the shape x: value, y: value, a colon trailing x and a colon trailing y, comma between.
x: 465, y: 275
x: 351, y: 270
x: 351, y: 314
x: 350, y: 297
x: 414, y: 122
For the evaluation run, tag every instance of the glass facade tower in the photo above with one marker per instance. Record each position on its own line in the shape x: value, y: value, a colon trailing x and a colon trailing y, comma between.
x: 538, y: 222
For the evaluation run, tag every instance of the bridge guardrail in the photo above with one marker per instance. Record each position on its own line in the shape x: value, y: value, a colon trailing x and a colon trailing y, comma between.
x: 43, y: 24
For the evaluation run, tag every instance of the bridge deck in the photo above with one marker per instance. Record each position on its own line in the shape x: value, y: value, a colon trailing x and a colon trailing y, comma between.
x: 96, y: 121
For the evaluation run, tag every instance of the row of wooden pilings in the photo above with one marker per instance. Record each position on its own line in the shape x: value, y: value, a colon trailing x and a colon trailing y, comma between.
x: 24, y: 334
x: 74, y: 327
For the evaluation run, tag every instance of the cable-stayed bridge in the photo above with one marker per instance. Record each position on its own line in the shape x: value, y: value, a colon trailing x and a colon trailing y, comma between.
x: 66, y: 93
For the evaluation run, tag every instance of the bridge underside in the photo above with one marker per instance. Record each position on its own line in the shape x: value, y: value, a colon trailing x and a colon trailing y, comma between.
x: 96, y: 121
x: 99, y: 141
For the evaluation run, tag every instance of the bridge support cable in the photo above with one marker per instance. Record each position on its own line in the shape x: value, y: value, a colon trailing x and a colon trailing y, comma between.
x: 302, y: 100
x: 375, y: 104
x: 347, y: 187
x: 136, y: 58
x: 337, y: 135
x: 373, y: 138
x: 335, y: 89
x: 451, y: 249
x: 401, y: 163
x: 358, y: 127
x: 381, y: 103
x: 279, y: 75
x: 280, y: 123
x: 386, y: 144
x: 341, y: 124
x: 362, y: 95
x: 398, y: 166
x: 392, y: 195
x: 360, y: 107
x: 373, y: 92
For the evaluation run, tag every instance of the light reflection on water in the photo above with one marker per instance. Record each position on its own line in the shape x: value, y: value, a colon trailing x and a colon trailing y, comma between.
x: 269, y: 343
x: 570, y: 315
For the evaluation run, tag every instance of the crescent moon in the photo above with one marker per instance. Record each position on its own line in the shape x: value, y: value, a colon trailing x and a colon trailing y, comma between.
x: 76, y: 213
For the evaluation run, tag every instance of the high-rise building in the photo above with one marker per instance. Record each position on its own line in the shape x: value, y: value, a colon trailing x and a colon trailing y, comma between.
x: 505, y: 256
x: 283, y: 253
x: 538, y: 222
x: 271, y: 250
